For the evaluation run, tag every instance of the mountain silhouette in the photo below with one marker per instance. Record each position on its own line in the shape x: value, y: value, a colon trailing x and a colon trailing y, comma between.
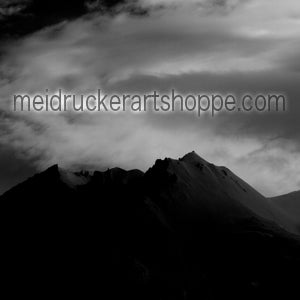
x: 185, y: 229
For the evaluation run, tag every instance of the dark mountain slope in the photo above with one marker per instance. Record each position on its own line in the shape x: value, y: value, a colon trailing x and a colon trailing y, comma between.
x: 183, y: 230
x: 290, y: 205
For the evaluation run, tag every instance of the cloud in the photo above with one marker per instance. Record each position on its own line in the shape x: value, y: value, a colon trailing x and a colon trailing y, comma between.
x: 219, y: 46
x: 222, y: 6
x: 11, y: 10
x: 23, y: 17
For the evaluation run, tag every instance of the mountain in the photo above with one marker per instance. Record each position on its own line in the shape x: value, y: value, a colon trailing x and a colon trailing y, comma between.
x: 290, y: 205
x: 186, y: 229
x: 217, y: 190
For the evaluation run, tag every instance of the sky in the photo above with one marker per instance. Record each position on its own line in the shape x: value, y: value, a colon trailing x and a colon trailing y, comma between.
x: 194, y: 46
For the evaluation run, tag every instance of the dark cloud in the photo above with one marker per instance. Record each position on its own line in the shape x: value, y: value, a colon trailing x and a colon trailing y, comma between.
x: 11, y: 8
x: 22, y: 17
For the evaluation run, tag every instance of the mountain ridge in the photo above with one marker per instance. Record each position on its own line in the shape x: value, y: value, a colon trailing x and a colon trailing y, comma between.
x: 207, y: 179
x: 183, y: 230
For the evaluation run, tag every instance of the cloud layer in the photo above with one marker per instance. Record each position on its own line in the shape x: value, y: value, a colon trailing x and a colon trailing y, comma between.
x: 193, y: 46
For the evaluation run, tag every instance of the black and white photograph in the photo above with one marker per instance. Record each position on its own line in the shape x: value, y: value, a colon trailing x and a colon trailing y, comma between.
x: 150, y: 149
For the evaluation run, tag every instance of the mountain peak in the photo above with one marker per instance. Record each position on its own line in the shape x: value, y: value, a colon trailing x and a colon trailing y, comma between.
x: 193, y: 157
x: 54, y: 168
x: 51, y: 172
